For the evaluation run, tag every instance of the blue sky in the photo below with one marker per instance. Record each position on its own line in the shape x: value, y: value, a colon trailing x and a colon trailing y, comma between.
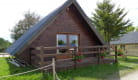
x: 11, y: 11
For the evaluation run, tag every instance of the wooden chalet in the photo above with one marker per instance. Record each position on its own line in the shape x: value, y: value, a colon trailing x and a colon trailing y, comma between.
x: 61, y: 34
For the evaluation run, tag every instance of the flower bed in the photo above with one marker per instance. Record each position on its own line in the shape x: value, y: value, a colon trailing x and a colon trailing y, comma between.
x: 120, y: 52
x: 79, y: 57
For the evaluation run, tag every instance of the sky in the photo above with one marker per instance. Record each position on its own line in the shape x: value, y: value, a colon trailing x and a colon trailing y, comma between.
x: 11, y: 11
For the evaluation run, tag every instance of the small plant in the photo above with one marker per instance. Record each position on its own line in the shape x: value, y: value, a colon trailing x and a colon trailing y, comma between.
x: 102, y: 55
x: 120, y: 52
x: 79, y: 57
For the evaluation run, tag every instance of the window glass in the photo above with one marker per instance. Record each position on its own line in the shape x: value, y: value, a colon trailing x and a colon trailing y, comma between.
x: 62, y: 40
x: 73, y: 40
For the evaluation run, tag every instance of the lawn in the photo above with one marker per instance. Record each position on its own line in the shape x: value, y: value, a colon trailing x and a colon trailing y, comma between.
x: 93, y: 72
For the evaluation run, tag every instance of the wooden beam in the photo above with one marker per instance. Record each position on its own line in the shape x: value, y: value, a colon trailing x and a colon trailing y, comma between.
x: 97, y: 46
x: 75, y: 62
x: 81, y: 47
x: 54, y: 69
x: 99, y: 56
x: 41, y: 56
x: 51, y: 48
x: 55, y: 54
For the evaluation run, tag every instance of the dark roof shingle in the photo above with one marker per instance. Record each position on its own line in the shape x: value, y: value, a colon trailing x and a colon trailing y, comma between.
x: 130, y: 38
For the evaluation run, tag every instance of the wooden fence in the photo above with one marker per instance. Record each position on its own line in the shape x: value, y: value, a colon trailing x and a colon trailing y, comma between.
x: 85, y: 50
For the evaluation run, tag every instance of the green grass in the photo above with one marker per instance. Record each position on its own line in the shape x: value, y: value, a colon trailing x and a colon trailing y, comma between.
x: 7, y: 68
x: 93, y: 72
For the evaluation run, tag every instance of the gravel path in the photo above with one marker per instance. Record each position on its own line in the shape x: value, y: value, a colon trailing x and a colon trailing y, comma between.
x: 131, y: 76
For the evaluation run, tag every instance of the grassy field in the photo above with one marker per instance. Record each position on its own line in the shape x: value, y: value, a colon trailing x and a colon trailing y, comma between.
x: 93, y: 72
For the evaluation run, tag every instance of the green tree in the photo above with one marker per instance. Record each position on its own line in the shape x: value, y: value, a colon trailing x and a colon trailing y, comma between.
x: 109, y: 20
x: 130, y: 29
x: 136, y: 28
x: 74, y: 42
x: 23, y: 25
x: 61, y: 42
x: 4, y: 44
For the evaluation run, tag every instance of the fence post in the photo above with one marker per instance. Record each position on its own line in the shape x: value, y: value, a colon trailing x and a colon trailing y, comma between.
x: 99, y: 55
x: 75, y: 62
x: 54, y: 69
x: 30, y: 55
x: 116, y: 59
x: 41, y: 56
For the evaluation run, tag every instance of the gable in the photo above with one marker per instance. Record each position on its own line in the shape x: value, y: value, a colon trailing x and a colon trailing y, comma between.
x: 37, y: 29
x: 68, y: 22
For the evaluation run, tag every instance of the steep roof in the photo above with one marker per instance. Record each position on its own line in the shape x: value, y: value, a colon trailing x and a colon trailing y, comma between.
x: 33, y: 31
x: 130, y: 38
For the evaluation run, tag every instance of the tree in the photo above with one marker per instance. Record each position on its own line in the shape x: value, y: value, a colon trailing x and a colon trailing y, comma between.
x: 136, y: 28
x: 23, y: 25
x: 74, y: 42
x: 109, y: 20
x: 61, y: 42
x: 4, y: 44
x: 130, y: 29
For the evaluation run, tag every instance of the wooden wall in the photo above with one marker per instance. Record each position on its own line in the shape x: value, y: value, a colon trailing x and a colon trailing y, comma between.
x: 132, y: 49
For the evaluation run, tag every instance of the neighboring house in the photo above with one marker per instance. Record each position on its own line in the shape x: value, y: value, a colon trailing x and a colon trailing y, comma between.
x: 66, y: 26
x: 4, y: 55
x: 129, y: 42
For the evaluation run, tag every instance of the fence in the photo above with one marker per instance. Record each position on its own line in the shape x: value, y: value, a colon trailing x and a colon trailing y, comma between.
x: 63, y: 57
x: 55, y: 76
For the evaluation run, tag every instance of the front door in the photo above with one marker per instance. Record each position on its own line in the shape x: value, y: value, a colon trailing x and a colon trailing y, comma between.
x: 66, y: 40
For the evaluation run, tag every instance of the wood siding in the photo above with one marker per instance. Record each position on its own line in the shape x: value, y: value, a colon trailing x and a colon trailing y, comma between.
x: 132, y: 50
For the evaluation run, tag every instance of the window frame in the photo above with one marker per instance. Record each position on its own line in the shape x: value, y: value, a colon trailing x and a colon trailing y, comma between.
x: 68, y: 34
x: 68, y: 42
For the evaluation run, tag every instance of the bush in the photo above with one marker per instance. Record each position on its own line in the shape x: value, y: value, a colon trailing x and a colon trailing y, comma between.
x: 120, y: 52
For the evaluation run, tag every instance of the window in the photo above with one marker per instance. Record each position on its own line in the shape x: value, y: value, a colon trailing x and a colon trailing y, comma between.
x: 66, y: 40
x: 73, y: 40
x: 62, y: 40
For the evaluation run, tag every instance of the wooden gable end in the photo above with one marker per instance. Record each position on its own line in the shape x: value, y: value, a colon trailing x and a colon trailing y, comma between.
x: 69, y: 21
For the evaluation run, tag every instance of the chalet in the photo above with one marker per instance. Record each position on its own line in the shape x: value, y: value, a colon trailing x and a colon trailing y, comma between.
x: 128, y: 42
x: 67, y: 26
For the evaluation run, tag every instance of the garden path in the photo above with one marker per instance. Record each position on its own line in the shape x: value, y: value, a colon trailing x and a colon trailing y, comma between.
x: 131, y: 76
